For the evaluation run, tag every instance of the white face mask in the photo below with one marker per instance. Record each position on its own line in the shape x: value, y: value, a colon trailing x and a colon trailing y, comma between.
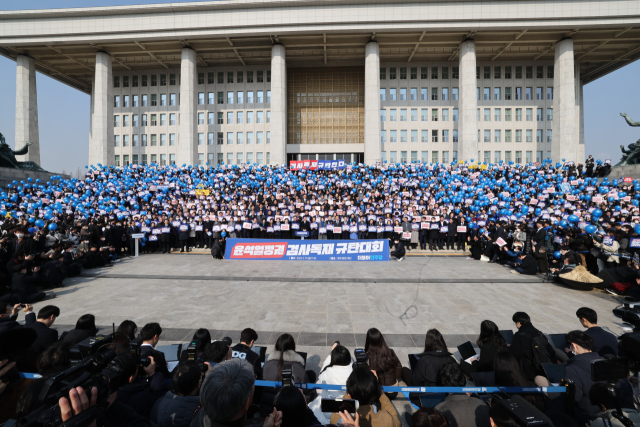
x: 19, y: 236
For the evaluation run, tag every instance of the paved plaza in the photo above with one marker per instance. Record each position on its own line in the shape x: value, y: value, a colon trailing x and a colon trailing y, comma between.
x: 320, y: 302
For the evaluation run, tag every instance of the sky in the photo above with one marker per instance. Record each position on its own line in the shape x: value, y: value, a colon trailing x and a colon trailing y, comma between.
x: 63, y: 112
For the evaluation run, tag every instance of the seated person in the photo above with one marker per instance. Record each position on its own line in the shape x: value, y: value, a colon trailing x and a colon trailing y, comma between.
x: 85, y: 328
x: 461, y: 410
x: 243, y: 350
x: 216, y: 352
x: 527, y: 265
x: 603, y: 342
x: 176, y: 407
x: 150, y: 335
x: 363, y: 386
x: 141, y: 396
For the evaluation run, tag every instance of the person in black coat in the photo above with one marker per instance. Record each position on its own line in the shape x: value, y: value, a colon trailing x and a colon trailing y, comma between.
x: 431, y: 360
x: 141, y: 396
x: 400, y: 251
x: 476, y: 247
x: 217, y: 251
x: 85, y: 328
x: 176, y: 407
x: 23, y: 285
x: 500, y: 233
x: 528, y: 264
x: 521, y: 347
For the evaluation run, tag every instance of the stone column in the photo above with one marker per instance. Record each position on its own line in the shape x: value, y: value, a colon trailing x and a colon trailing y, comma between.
x: 565, y: 140
x: 27, y: 109
x: 188, y: 129
x: 101, y: 149
x: 468, y: 104
x: 579, y: 116
x: 372, y: 145
x: 278, y: 105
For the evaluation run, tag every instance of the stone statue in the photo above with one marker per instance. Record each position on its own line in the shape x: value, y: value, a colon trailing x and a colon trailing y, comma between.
x: 632, y: 155
x: 8, y: 157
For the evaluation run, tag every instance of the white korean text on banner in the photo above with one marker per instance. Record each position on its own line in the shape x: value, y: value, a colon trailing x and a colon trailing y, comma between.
x: 311, y: 250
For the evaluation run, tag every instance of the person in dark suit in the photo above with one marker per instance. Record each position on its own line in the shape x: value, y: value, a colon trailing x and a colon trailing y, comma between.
x: 46, y: 336
x: 22, y: 243
x: 150, y: 334
x: 604, y: 342
x: 183, y: 237
x: 500, y: 233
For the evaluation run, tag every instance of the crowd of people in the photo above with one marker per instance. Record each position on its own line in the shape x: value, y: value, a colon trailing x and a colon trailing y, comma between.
x: 535, y: 217
x: 213, y: 381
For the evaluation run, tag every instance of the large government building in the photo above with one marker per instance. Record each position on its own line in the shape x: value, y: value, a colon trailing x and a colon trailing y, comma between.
x: 268, y: 81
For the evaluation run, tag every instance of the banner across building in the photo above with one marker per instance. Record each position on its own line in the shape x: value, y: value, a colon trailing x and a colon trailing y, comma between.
x: 307, y: 250
x: 317, y: 164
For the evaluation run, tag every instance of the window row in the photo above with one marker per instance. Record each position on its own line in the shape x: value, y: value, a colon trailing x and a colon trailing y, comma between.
x: 485, y: 72
x: 173, y: 79
x: 515, y: 136
x: 487, y: 114
x: 436, y: 157
x: 173, y: 99
x: 443, y: 135
x: 238, y: 117
x: 212, y: 158
x: 411, y: 94
x: 212, y: 138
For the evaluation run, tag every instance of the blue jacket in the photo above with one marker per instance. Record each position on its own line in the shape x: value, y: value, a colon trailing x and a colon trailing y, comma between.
x: 174, y: 411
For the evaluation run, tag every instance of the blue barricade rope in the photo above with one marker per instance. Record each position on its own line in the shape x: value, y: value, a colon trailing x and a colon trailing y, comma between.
x: 391, y: 389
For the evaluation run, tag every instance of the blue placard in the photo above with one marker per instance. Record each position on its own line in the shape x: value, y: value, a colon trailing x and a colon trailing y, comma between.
x: 634, y: 242
x: 302, y: 233
x: 607, y: 241
x: 309, y: 250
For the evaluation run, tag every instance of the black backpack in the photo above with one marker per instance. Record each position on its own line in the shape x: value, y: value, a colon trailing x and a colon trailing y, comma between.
x: 539, y: 344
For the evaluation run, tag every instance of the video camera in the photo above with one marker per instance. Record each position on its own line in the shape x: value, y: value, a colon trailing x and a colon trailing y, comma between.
x: 191, y: 355
x: 629, y: 312
x: 361, y: 358
x: 524, y: 412
x: 102, y: 370
x: 611, y: 370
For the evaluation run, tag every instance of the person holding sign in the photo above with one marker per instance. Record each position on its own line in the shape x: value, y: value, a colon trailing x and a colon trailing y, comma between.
x: 609, y: 247
x: 165, y: 238
x: 461, y: 232
x: 183, y: 237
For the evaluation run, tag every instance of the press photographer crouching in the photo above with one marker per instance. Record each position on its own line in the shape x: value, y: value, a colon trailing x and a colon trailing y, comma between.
x: 176, y: 407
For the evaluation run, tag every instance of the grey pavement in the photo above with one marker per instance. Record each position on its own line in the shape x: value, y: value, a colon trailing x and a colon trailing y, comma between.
x: 321, y: 302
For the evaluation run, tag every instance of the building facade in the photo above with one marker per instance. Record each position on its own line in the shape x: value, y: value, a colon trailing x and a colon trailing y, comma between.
x: 241, y: 81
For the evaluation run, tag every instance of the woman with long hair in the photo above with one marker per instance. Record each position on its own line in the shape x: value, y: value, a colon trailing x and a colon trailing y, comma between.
x: 490, y: 343
x: 434, y: 356
x: 428, y: 417
x: 335, y: 370
x: 284, y: 353
x: 125, y: 333
x: 382, y: 359
x: 204, y: 337
x: 508, y: 374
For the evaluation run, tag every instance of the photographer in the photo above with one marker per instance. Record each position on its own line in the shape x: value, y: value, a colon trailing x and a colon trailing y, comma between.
x: 142, y: 395
x: 291, y: 403
x: 599, y: 396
